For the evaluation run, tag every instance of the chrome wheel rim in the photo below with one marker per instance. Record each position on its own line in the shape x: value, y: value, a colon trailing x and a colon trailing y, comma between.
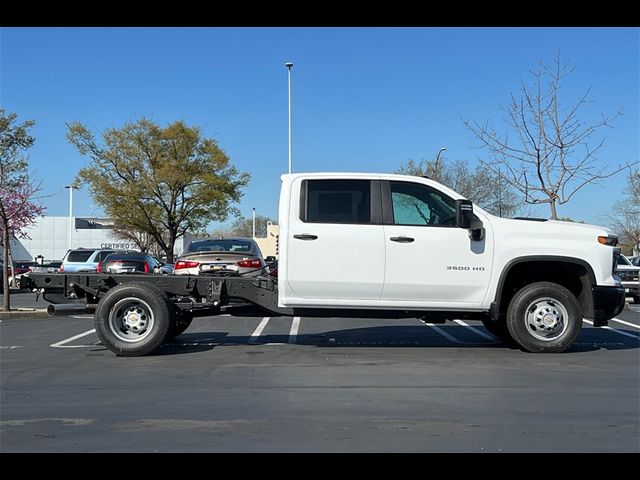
x: 131, y: 320
x: 546, y: 319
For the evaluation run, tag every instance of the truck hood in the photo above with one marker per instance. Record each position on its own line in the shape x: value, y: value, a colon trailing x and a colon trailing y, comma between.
x: 551, y: 227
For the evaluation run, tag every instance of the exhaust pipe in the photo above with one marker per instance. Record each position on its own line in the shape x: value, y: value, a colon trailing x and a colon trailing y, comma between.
x: 69, y: 308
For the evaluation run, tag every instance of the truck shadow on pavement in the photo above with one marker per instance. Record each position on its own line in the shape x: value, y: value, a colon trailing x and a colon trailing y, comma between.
x: 386, y: 337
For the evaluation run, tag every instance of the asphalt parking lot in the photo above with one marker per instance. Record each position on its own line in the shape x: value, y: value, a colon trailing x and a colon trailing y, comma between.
x: 281, y: 384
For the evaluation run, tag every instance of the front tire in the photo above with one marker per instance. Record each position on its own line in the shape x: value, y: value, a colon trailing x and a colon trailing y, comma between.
x: 544, y: 317
x: 133, y: 319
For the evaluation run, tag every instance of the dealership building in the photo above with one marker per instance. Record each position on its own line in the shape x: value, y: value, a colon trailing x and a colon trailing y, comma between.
x: 51, y: 237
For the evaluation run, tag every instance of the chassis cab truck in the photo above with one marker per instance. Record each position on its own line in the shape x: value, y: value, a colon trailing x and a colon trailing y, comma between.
x: 378, y: 245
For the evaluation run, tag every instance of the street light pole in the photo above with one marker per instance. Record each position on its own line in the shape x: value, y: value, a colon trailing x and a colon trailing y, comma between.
x: 70, y: 187
x: 289, y: 65
x: 442, y: 149
x: 254, y: 223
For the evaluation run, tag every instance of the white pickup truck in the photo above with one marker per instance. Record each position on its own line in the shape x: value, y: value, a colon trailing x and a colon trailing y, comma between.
x: 379, y: 245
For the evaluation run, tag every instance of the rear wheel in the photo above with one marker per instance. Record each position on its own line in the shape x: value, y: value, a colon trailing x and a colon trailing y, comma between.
x: 636, y: 299
x: 133, y: 319
x: 544, y: 317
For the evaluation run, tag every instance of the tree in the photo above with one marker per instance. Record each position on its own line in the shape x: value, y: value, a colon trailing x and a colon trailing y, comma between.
x: 159, y: 181
x: 552, y: 153
x: 243, y: 227
x: 17, y: 188
x: 625, y: 218
x: 482, y: 185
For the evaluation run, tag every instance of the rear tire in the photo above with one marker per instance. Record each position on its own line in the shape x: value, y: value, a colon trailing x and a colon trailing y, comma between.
x: 544, y: 317
x: 133, y: 319
x: 636, y: 299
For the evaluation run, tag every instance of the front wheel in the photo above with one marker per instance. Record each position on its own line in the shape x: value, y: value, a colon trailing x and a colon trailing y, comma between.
x: 544, y: 317
x: 133, y: 319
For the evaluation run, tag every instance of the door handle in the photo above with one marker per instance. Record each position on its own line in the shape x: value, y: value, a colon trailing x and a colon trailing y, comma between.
x: 305, y: 236
x: 402, y: 239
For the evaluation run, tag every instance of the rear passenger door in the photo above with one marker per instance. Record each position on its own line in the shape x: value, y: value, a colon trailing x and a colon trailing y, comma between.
x: 335, y: 245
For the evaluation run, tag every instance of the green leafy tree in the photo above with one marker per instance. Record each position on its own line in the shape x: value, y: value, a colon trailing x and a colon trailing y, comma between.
x: 17, y: 189
x: 480, y: 185
x: 243, y: 227
x: 159, y: 181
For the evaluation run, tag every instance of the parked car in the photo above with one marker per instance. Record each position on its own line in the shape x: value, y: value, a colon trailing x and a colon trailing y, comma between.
x: 226, y: 256
x: 629, y: 275
x: 85, y: 259
x: 129, y: 262
x: 49, y: 267
x: 165, y: 268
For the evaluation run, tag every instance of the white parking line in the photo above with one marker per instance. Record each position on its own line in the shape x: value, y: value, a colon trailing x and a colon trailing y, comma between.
x: 614, y: 330
x: 293, y: 333
x: 488, y: 336
x: 61, y: 343
x: 256, y: 333
x: 81, y: 316
x: 626, y: 323
x: 449, y: 337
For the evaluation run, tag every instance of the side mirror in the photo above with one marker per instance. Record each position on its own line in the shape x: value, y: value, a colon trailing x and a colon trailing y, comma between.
x: 466, y: 219
x: 270, y: 259
x: 464, y: 213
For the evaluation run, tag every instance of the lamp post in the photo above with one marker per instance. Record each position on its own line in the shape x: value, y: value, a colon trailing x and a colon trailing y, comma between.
x: 289, y: 65
x: 70, y: 187
x: 254, y: 223
x: 442, y: 149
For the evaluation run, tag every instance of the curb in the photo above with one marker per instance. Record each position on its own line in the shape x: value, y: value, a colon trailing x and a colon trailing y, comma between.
x: 24, y: 313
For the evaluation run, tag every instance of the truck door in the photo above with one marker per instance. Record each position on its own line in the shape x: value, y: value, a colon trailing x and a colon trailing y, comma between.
x: 429, y: 261
x: 335, y: 243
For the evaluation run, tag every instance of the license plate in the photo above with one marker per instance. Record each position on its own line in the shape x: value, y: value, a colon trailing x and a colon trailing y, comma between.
x: 213, y: 267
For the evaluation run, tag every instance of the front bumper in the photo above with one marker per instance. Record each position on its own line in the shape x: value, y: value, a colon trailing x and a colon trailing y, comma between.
x: 607, y: 303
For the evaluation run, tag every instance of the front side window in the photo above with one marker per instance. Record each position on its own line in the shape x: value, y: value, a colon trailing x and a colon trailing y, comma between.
x: 339, y: 201
x: 416, y: 204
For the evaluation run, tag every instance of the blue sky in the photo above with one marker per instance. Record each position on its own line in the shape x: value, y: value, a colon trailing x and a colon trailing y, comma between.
x: 364, y: 99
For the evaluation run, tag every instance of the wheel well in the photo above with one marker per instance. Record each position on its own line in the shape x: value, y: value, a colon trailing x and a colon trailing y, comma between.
x: 575, y: 277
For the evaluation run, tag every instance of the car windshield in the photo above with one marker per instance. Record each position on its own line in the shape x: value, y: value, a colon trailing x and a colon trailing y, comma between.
x: 221, y: 245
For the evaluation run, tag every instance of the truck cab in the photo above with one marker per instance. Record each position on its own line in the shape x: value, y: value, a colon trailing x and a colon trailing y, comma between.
x: 388, y: 242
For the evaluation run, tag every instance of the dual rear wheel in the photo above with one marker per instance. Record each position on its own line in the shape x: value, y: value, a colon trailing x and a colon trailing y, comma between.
x: 133, y: 319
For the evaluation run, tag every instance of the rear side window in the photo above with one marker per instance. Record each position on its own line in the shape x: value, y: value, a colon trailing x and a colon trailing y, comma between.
x: 338, y: 201
x: 79, y: 255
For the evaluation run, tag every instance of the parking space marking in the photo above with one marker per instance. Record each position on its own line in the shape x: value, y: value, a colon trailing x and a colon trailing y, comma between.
x: 446, y: 335
x: 626, y: 323
x: 613, y: 330
x: 256, y: 333
x: 81, y: 316
x: 488, y: 336
x: 293, y: 333
x: 61, y: 343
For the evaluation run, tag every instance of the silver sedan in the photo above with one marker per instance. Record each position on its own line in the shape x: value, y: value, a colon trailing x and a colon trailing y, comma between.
x: 223, y: 256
